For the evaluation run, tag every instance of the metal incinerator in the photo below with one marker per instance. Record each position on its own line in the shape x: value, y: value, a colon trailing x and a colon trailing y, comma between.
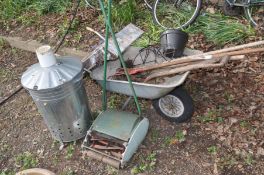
x: 114, y: 135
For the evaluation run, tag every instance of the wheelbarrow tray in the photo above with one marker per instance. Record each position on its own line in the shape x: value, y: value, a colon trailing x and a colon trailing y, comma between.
x: 143, y: 90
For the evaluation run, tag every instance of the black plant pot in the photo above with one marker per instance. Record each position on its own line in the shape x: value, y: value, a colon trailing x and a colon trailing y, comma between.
x: 173, y: 42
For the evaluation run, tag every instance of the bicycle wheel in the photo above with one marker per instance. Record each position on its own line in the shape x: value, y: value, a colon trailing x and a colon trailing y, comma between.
x: 177, y: 14
x: 148, y: 4
x: 254, y: 12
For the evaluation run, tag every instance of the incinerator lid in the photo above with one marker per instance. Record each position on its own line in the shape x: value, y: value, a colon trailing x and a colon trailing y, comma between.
x: 51, y: 71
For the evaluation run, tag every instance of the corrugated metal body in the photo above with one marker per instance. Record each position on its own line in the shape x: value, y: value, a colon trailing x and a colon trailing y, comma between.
x: 60, y: 96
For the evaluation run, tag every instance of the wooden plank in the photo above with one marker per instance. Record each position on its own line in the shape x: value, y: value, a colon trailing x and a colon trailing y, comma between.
x: 32, y: 45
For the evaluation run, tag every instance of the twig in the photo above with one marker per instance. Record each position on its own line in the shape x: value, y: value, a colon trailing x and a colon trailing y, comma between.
x: 19, y: 88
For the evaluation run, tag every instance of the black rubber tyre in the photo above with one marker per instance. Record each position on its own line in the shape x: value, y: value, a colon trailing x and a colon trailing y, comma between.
x: 183, y: 25
x: 177, y: 106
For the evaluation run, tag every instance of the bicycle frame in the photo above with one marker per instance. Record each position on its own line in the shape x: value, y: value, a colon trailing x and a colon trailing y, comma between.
x: 233, y: 3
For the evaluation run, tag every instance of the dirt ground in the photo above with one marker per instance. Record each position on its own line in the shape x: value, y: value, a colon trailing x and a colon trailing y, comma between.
x: 225, y: 135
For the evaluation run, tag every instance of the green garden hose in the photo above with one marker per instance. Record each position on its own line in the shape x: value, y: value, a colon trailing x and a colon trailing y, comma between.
x: 109, y: 28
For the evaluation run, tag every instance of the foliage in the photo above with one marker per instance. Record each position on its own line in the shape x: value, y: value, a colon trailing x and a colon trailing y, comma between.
x: 26, y: 160
x: 212, y: 149
x: 217, y: 28
x: 70, y: 151
x: 13, y: 9
x: 146, y: 164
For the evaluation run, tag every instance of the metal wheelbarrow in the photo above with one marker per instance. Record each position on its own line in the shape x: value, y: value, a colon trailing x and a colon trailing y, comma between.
x: 169, y: 98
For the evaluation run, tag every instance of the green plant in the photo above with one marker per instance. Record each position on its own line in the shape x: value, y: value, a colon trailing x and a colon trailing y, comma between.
x: 114, y: 101
x: 50, y: 6
x: 70, y: 151
x: 26, y: 160
x: 243, y: 124
x: 68, y: 172
x: 212, y: 149
x: 3, y: 43
x: 27, y: 19
x: 180, y: 136
x: 13, y: 9
x: 65, y: 24
x: 229, y: 97
x: 111, y: 170
x: 7, y: 172
x: 217, y: 28
x: 211, y: 115
x: 146, y: 164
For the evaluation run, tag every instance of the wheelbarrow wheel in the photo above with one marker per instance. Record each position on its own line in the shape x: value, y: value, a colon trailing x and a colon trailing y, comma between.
x: 177, y: 106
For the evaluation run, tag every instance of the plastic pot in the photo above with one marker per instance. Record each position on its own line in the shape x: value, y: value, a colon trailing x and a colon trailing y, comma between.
x: 35, y: 171
x: 173, y: 42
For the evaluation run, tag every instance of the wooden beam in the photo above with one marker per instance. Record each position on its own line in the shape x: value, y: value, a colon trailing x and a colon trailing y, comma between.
x: 32, y: 45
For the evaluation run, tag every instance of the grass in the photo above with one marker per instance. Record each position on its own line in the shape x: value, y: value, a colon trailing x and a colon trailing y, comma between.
x: 217, y: 28
x: 13, y: 9
x: 221, y: 29
x: 123, y: 13
x: 26, y: 160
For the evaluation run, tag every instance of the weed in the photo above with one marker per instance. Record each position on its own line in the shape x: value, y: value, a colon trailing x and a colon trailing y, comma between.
x: 50, y: 6
x: 3, y: 43
x: 211, y: 116
x: 244, y: 124
x: 68, y: 172
x: 27, y: 19
x: 7, y: 172
x: 70, y: 151
x: 111, y: 170
x: 13, y: 9
x: 212, y: 149
x: 219, y: 119
x: 146, y: 164
x: 65, y: 24
x: 78, y: 37
x: 167, y: 141
x: 114, y: 101
x: 26, y: 160
x: 249, y: 159
x: 55, y: 143
x: 180, y: 136
x: 227, y: 161
x: 221, y: 29
x: 217, y: 28
x: 154, y: 135
x: 229, y: 97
